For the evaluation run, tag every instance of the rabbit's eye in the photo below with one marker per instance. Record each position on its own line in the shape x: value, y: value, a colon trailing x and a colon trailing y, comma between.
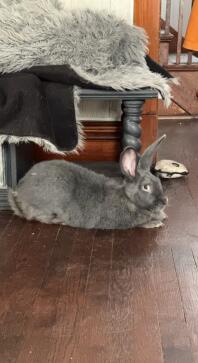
x: 146, y: 188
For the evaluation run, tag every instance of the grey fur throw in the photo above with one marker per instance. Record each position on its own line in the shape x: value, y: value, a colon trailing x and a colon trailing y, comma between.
x: 99, y: 47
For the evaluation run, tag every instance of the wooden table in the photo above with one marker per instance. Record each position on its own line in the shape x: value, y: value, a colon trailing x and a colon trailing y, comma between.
x: 132, y: 103
x: 16, y: 159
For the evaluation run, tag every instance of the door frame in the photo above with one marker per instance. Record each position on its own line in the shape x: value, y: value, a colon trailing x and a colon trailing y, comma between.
x: 147, y: 15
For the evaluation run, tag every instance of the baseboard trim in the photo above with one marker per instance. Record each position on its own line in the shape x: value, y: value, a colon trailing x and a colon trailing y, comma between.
x: 177, y: 118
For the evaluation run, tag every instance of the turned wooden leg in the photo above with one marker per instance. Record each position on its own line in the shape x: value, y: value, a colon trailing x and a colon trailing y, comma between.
x: 131, y: 129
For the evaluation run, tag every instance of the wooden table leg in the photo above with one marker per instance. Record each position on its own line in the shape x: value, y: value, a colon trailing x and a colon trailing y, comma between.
x: 131, y: 129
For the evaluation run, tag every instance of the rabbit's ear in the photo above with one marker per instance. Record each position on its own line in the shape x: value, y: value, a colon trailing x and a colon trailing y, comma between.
x: 146, y: 159
x: 128, y: 162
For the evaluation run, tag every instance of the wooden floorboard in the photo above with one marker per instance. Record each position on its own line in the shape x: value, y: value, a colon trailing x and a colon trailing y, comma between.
x: 71, y: 295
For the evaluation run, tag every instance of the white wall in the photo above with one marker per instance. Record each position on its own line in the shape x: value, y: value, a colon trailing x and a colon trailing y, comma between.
x: 122, y: 8
x: 101, y: 110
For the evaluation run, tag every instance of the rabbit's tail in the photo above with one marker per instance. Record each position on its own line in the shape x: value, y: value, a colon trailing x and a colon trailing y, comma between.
x: 14, y: 203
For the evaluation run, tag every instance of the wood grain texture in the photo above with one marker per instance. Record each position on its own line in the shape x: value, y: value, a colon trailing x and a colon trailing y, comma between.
x: 186, y: 94
x: 103, y: 141
x: 147, y: 15
x: 173, y: 110
x: 70, y: 295
x: 28, y: 251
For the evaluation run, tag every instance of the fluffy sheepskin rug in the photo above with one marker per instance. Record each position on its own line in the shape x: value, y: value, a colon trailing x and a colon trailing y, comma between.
x: 99, y: 47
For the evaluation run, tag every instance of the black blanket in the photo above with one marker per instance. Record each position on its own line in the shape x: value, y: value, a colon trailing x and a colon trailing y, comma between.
x: 39, y: 103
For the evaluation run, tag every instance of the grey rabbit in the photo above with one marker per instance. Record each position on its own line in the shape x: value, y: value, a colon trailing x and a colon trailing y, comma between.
x: 65, y: 193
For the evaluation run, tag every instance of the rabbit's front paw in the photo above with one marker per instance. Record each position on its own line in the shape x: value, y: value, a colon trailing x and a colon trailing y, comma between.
x: 159, y: 216
x: 154, y: 224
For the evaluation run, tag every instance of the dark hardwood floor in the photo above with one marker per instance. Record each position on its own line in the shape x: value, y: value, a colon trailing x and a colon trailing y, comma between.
x: 70, y: 295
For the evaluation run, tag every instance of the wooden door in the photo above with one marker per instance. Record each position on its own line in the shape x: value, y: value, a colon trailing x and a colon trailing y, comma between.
x: 103, y: 138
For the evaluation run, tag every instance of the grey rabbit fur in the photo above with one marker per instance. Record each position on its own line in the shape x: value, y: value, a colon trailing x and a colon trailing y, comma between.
x: 65, y: 193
